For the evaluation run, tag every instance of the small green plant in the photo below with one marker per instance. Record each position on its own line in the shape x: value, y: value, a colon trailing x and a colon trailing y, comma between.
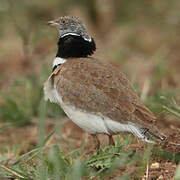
x: 158, y: 100
x: 171, y: 107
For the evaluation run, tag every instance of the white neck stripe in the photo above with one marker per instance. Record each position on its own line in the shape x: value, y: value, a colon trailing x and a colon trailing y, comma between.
x: 74, y: 34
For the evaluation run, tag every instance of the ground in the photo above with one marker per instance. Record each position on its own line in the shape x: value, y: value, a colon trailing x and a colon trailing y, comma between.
x: 37, y: 140
x: 158, y: 167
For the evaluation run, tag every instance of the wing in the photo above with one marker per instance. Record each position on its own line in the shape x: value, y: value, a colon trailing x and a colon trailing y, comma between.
x: 97, y: 87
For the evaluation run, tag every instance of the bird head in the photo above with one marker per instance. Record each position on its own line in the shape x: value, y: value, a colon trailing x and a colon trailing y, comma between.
x: 70, y: 25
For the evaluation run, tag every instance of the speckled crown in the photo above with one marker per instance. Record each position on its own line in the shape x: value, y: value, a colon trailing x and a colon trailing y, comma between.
x: 70, y: 25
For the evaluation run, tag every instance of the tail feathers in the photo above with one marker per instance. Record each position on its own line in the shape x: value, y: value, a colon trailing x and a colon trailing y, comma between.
x: 150, y: 135
x: 154, y: 135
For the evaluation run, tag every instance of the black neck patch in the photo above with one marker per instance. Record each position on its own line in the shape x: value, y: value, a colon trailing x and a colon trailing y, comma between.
x: 75, y: 46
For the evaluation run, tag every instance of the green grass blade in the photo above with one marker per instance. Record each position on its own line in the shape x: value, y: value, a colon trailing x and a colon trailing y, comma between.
x: 15, y: 173
x: 22, y: 157
x: 172, y: 111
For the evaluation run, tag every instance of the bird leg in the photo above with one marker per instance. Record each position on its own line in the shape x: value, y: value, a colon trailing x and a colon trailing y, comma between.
x: 96, y: 141
x: 111, y: 141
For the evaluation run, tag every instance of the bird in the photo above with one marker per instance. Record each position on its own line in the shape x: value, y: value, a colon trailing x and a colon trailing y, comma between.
x: 94, y: 94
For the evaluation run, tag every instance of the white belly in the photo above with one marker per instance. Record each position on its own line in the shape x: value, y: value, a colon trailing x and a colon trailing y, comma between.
x: 94, y: 123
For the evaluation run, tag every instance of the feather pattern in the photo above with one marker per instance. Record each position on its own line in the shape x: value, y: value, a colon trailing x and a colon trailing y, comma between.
x: 98, y: 88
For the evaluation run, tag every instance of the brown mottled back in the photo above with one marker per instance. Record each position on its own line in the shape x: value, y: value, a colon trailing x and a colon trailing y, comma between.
x: 97, y: 87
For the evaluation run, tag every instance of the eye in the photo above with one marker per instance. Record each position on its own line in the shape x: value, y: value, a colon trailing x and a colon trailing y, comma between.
x: 63, y: 21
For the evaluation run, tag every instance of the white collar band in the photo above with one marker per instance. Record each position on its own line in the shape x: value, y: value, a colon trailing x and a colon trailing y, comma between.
x: 75, y: 34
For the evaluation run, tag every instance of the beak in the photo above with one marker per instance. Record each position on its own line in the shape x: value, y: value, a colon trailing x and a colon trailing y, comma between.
x: 53, y: 23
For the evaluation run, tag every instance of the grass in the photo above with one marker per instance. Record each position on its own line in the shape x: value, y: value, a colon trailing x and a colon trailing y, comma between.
x: 51, y: 161
x: 23, y: 105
